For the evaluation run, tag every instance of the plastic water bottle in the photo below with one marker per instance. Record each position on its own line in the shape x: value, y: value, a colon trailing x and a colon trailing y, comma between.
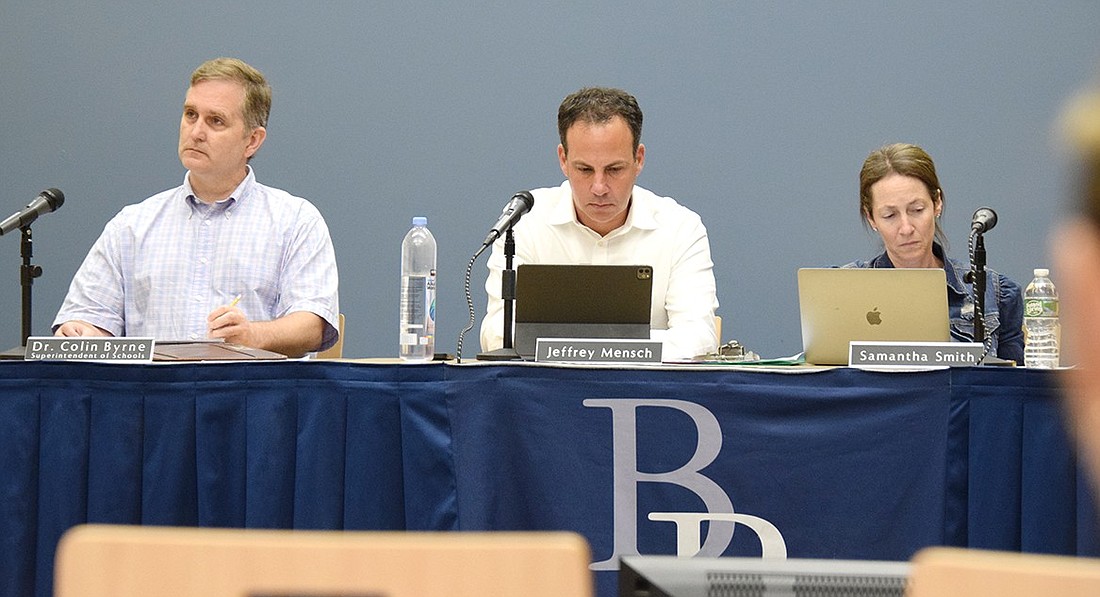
x: 1041, y: 332
x: 418, y: 292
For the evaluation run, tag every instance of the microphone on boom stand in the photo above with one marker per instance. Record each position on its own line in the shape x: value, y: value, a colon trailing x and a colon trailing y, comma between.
x: 983, y: 220
x: 519, y: 204
x: 46, y: 202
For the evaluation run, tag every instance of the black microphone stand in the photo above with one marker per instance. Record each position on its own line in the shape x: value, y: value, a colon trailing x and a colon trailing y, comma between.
x: 977, y: 277
x: 27, y: 274
x: 508, y: 294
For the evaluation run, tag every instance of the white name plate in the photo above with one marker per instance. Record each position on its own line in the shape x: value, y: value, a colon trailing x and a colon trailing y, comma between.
x: 596, y: 350
x: 914, y: 354
x: 56, y: 348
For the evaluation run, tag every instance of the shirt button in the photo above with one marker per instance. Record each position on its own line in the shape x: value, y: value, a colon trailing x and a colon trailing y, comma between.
x: 203, y: 260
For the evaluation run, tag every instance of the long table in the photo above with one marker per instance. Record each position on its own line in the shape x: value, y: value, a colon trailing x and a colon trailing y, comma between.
x: 838, y: 463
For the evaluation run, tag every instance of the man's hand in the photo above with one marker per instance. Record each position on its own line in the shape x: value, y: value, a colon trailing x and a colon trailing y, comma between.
x: 232, y: 325
x: 293, y: 334
x: 77, y: 327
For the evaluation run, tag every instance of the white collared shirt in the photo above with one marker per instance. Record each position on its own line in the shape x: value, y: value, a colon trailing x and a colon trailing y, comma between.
x: 658, y: 232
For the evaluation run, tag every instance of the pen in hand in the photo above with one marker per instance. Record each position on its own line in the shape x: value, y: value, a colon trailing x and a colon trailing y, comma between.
x: 225, y: 310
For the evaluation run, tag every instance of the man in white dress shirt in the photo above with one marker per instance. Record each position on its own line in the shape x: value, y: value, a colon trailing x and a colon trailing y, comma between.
x: 598, y: 216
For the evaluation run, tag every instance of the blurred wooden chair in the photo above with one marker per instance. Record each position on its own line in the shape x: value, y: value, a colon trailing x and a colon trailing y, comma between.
x: 335, y: 351
x: 132, y: 561
x: 957, y: 572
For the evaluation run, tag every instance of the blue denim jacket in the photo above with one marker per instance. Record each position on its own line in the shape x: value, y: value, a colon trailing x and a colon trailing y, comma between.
x: 1004, y: 306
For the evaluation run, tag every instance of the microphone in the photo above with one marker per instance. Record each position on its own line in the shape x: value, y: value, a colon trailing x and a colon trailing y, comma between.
x: 984, y: 220
x: 46, y: 201
x: 519, y: 204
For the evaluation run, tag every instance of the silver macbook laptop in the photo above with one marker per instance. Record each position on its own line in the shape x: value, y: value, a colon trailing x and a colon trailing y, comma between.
x: 841, y: 305
x: 581, y: 301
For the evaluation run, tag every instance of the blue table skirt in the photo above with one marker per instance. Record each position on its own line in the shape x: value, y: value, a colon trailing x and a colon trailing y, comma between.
x: 843, y: 463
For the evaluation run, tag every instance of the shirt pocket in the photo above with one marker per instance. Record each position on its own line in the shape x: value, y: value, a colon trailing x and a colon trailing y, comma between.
x: 254, y: 272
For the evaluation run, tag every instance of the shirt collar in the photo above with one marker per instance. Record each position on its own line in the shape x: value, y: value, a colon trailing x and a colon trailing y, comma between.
x: 237, y: 195
x: 954, y: 277
x: 639, y: 215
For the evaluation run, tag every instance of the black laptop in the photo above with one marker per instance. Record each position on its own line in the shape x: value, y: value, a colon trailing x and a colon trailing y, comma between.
x: 581, y: 301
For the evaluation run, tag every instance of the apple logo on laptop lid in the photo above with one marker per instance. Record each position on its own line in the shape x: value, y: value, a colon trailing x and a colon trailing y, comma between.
x: 874, y: 317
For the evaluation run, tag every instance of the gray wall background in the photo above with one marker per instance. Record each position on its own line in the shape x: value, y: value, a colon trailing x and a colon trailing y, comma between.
x: 758, y: 116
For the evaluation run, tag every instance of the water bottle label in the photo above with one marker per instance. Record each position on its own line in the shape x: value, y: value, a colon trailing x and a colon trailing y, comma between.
x: 413, y: 300
x: 418, y: 311
x: 1041, y: 307
x: 429, y: 305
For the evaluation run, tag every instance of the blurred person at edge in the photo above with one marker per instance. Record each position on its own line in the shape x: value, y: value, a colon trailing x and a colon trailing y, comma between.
x: 1076, y: 249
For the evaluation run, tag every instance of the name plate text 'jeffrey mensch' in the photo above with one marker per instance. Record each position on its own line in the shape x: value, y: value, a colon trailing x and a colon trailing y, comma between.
x: 914, y: 354
x: 55, y: 348
x: 593, y: 350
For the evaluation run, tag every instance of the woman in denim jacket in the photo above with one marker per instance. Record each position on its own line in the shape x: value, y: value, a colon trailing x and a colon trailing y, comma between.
x: 900, y: 198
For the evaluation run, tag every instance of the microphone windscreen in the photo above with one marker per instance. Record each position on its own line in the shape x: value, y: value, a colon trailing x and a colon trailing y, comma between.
x: 54, y: 197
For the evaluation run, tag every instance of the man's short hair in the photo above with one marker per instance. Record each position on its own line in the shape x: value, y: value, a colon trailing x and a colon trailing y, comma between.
x: 257, y: 93
x: 598, y: 105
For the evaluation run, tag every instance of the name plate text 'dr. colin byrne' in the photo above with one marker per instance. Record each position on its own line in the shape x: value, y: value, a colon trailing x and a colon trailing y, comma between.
x: 56, y: 348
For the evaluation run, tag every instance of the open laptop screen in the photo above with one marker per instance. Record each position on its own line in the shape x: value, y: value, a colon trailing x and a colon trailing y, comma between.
x: 581, y: 301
